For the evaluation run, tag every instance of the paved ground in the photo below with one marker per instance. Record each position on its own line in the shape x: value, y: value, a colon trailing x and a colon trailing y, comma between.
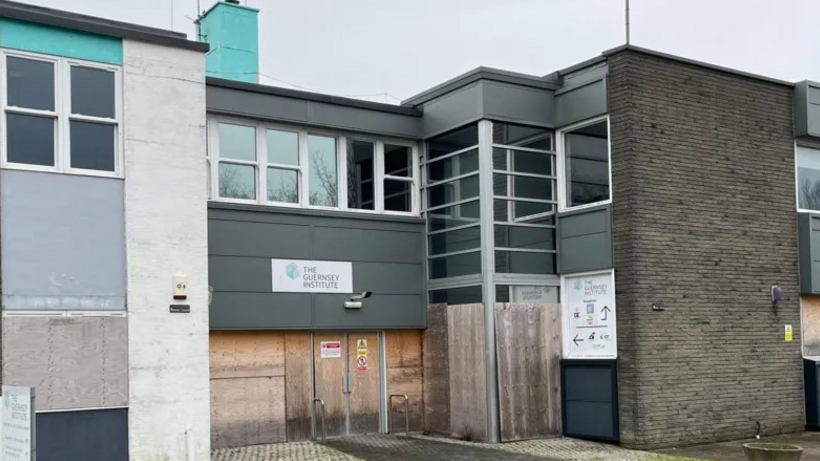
x: 399, y: 448
x: 733, y: 451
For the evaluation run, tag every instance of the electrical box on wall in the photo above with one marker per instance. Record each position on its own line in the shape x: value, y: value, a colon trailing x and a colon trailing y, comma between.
x: 180, y: 283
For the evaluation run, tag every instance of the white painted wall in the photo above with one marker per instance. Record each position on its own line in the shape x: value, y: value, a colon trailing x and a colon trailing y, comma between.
x: 166, y: 233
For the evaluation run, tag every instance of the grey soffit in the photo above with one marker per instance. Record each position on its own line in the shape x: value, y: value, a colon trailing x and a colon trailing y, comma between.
x: 481, y: 73
x: 69, y: 20
x: 693, y: 62
x: 310, y: 96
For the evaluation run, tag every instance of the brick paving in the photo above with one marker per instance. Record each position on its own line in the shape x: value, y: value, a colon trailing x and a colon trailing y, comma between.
x: 423, y: 448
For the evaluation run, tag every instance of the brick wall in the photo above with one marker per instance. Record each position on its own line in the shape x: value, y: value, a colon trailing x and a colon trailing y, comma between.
x: 704, y: 223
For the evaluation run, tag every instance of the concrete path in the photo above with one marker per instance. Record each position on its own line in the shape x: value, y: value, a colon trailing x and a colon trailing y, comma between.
x: 421, y: 448
x: 733, y: 451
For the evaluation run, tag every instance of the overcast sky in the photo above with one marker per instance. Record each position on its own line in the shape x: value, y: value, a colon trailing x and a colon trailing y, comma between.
x: 402, y: 47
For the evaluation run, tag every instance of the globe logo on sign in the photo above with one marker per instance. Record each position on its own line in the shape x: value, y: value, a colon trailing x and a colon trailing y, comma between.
x: 7, y: 401
x: 578, y: 285
x: 292, y: 270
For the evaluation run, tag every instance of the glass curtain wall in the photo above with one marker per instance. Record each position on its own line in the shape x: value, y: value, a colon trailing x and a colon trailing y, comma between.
x: 523, y: 179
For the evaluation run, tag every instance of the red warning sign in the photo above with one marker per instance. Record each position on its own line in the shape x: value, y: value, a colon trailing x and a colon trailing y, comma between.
x: 362, y: 363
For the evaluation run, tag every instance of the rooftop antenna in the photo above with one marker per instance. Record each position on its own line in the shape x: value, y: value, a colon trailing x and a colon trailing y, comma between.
x: 627, y: 22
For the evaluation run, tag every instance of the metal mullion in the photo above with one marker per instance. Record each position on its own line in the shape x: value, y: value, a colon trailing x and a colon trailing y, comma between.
x: 523, y: 199
x: 453, y: 179
x: 525, y: 250
x: 378, y: 176
x: 450, y: 155
x: 456, y: 228
x: 447, y: 205
x: 525, y: 175
x: 524, y: 149
x: 454, y: 253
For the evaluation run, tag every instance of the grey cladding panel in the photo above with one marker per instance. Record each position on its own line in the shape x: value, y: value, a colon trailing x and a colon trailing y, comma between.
x: 453, y: 110
x: 807, y: 109
x: 513, y: 103
x: 376, y: 312
x: 302, y: 111
x: 387, y: 259
x: 585, y: 240
x: 242, y: 310
x: 253, y: 275
x: 258, y: 239
x: 581, y: 103
x: 809, y: 245
x: 92, y: 435
x: 63, y: 240
x: 75, y: 362
x: 338, y: 243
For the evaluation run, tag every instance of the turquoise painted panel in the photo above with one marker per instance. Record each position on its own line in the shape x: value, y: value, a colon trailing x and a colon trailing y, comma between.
x: 39, y: 38
x: 233, y: 33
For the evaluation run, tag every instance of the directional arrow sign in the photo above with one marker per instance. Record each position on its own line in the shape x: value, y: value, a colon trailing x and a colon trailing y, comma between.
x: 591, y: 334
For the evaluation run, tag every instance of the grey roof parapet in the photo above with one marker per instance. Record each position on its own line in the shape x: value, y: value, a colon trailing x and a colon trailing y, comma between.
x: 310, y: 96
x: 481, y: 73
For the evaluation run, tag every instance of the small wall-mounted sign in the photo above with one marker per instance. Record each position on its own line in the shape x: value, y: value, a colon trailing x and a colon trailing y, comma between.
x: 789, y: 333
x: 180, y: 308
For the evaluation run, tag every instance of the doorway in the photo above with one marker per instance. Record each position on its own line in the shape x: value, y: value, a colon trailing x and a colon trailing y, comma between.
x: 347, y: 377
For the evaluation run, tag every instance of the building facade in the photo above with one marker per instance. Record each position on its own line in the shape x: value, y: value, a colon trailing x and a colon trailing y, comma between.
x: 193, y: 260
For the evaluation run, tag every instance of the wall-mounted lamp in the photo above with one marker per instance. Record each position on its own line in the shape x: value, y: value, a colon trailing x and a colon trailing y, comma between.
x: 657, y: 307
x: 356, y: 300
x: 777, y: 295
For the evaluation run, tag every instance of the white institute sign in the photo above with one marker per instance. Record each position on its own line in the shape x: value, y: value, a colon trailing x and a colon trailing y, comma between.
x: 296, y: 276
x: 18, y: 424
x: 589, y: 317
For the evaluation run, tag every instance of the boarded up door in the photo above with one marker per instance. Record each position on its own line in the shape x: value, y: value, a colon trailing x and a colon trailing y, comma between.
x: 329, y: 364
x: 247, y: 388
x: 468, y: 371
x: 363, y: 362
x: 528, y: 345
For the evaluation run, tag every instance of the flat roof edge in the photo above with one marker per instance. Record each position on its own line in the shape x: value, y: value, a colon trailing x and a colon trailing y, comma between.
x: 480, y: 73
x: 693, y: 62
x: 85, y: 23
x: 311, y: 96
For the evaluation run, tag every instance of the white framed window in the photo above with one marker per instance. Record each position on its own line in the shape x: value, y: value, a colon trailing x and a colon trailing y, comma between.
x: 807, y: 177
x: 277, y: 165
x: 585, y: 162
x: 60, y: 114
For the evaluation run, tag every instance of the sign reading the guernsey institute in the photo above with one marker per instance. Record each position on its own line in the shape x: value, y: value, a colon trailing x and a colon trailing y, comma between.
x: 295, y: 276
x: 589, y: 316
x: 18, y: 424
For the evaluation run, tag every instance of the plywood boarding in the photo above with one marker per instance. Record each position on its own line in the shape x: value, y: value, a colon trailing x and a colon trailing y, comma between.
x: 811, y: 325
x: 468, y: 384
x: 247, y: 388
x: 329, y: 377
x: 528, y: 346
x: 405, y: 375
x: 297, y: 385
x: 365, y: 393
x: 78, y: 362
x: 247, y: 354
x: 436, y: 385
x: 247, y: 411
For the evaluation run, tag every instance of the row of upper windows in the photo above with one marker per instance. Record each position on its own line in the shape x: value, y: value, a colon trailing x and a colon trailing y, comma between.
x: 273, y: 165
x: 60, y: 114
